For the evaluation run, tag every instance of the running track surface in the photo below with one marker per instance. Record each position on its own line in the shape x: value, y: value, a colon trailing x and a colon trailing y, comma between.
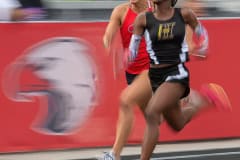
x: 225, y: 149
x: 218, y: 154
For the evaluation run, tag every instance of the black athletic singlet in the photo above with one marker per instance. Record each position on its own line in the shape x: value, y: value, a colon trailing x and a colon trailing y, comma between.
x: 166, y: 39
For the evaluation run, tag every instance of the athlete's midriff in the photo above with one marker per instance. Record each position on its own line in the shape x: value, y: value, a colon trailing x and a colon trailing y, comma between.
x: 142, y: 61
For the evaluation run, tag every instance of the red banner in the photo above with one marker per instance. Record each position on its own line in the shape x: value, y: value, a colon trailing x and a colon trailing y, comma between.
x: 59, y: 89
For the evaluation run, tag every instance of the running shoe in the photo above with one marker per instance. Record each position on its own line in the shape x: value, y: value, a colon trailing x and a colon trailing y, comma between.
x: 217, y: 96
x: 107, y: 156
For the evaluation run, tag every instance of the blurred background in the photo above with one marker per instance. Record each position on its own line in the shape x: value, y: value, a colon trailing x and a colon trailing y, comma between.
x: 31, y: 95
x: 90, y: 10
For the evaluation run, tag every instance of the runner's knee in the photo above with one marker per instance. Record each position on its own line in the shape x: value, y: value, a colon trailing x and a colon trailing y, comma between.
x: 152, y: 118
x: 126, y: 103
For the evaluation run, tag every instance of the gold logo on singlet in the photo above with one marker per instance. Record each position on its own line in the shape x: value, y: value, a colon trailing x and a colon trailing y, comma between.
x: 165, y: 31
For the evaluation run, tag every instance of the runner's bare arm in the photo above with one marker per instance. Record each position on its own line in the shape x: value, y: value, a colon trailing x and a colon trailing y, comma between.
x: 199, y: 31
x: 113, y: 25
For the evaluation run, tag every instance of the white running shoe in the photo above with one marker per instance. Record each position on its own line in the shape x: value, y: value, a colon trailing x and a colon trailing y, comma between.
x: 107, y: 156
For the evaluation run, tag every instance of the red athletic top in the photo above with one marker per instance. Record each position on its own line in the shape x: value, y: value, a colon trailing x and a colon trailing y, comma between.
x: 142, y: 61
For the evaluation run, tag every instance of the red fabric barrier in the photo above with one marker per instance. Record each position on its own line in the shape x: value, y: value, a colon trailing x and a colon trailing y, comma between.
x: 26, y: 88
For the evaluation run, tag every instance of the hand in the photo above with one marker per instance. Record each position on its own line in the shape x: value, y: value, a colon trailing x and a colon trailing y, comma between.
x: 199, y: 47
x: 107, y: 46
x: 202, y: 47
x: 198, y: 53
x: 127, y: 58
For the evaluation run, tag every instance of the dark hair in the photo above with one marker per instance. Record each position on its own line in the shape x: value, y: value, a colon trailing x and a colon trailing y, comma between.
x: 174, y: 2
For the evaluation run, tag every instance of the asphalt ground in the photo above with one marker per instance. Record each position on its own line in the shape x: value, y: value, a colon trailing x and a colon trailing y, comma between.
x: 219, y: 154
x: 225, y: 149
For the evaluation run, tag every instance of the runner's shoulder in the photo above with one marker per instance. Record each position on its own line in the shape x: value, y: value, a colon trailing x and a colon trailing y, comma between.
x: 121, y: 8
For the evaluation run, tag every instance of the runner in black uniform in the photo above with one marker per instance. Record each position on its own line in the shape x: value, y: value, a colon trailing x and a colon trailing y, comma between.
x: 164, y: 31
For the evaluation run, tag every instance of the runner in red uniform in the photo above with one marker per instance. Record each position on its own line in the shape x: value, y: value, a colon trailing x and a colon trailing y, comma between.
x: 138, y: 91
x: 142, y: 61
